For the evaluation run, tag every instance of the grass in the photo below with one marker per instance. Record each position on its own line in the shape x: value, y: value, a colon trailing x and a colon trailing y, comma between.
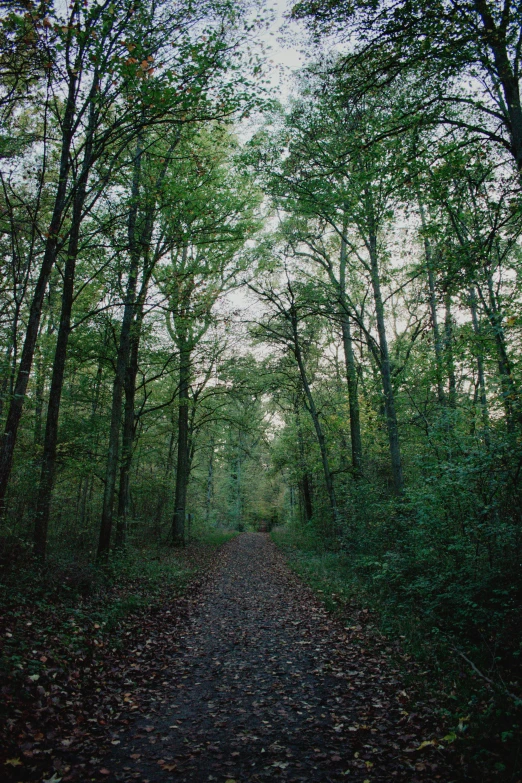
x: 215, y: 537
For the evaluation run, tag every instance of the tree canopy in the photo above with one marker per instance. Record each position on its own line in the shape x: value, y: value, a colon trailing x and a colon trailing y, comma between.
x: 310, y: 322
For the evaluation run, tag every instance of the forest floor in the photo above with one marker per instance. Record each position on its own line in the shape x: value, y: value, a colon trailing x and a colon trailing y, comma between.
x: 251, y: 680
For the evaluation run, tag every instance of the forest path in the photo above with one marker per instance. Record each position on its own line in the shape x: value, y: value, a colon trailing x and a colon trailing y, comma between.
x: 264, y: 685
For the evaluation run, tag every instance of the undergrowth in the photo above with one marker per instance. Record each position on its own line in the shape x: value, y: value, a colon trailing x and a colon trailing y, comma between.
x: 478, y: 708
x: 71, y: 605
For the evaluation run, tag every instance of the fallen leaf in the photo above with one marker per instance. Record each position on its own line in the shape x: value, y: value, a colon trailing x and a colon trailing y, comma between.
x: 426, y: 743
x: 450, y: 737
x: 14, y: 762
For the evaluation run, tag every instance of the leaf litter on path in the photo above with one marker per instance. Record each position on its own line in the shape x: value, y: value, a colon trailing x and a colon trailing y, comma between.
x: 253, y: 681
x: 266, y: 685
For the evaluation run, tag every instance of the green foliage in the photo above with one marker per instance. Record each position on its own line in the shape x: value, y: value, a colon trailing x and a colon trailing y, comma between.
x: 319, y: 327
x: 435, y: 613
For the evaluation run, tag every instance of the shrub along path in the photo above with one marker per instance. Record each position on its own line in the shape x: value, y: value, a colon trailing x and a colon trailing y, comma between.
x: 261, y: 684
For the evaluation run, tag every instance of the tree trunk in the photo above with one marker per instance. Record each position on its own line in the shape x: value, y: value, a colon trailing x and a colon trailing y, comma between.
x: 43, y: 506
x: 353, y: 401
x: 39, y: 401
x: 494, y: 36
x: 182, y: 464
x: 479, y: 354
x: 437, y: 341
x: 127, y: 439
x: 124, y: 347
x: 510, y: 395
x: 385, y: 370
x: 5, y: 379
x: 141, y: 246
x: 210, y: 483
x: 448, y: 351
x: 41, y: 521
x: 239, y: 499
x: 351, y: 372
x: 304, y: 482
x: 316, y: 422
x: 33, y: 322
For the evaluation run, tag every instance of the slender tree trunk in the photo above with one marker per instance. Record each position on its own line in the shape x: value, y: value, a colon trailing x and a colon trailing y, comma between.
x: 385, y: 370
x: 353, y: 400
x: 239, y: 465
x: 124, y: 347
x: 83, y: 502
x: 131, y: 372
x: 510, y: 395
x: 43, y: 506
x: 304, y: 482
x: 448, y: 352
x: 41, y: 522
x: 33, y: 322
x: 330, y: 489
x: 169, y: 466
x: 432, y: 296
x: 170, y: 457
x: 495, y: 37
x: 142, y: 247
x: 127, y: 440
x: 182, y: 464
x: 210, y: 482
x: 306, y: 490
x: 39, y: 401
x: 351, y: 371
x: 114, y: 431
x: 4, y: 382
x: 479, y: 354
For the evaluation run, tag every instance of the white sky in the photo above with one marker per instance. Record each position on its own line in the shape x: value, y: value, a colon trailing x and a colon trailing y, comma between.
x: 284, y: 56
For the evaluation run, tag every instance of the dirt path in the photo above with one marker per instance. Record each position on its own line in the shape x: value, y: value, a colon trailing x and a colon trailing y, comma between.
x: 264, y: 686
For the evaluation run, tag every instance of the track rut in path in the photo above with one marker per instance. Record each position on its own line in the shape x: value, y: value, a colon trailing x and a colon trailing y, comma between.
x: 264, y: 685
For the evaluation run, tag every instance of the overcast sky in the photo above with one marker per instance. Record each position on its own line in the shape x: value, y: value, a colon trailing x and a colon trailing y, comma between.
x: 284, y: 55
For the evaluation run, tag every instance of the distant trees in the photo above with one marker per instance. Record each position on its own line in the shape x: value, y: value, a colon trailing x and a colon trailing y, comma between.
x: 218, y: 219
x: 341, y: 196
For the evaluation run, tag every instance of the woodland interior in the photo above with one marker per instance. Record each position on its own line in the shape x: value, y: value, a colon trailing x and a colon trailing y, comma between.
x: 234, y: 302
